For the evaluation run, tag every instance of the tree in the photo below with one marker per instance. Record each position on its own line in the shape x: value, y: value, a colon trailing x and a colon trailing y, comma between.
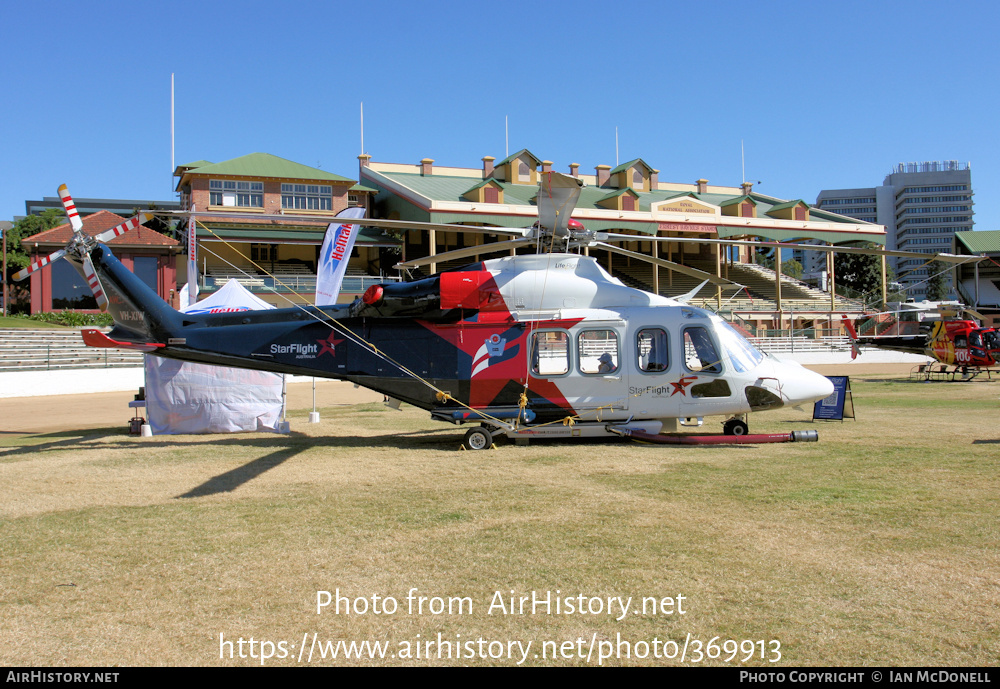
x: 791, y: 267
x: 18, y: 257
x: 860, y: 272
x: 937, y: 281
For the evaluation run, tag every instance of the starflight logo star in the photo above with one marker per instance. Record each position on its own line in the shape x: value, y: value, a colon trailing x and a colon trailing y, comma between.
x: 329, y: 345
x: 681, y: 385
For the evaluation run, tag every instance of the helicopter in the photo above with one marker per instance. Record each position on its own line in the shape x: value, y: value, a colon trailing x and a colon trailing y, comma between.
x: 952, y: 341
x: 530, y: 346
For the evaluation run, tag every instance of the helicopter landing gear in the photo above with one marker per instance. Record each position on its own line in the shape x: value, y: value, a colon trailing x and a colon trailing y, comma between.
x: 735, y: 427
x: 478, y: 438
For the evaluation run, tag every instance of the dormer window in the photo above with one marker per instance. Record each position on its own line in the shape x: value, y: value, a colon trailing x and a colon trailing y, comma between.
x: 308, y: 197
x: 487, y: 191
x: 230, y: 193
x: 523, y: 172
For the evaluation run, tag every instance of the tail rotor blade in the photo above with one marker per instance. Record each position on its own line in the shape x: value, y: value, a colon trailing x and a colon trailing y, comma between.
x: 38, y: 265
x: 70, y: 206
x: 119, y: 230
x: 95, y: 283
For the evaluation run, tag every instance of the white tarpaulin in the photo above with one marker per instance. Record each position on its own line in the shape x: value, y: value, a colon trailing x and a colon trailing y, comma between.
x: 183, y: 397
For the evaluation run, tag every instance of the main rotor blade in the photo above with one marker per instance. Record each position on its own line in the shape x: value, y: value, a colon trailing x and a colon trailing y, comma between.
x: 70, y: 206
x: 368, y: 222
x: 119, y: 230
x: 557, y: 197
x: 693, y: 272
x: 38, y: 265
x: 950, y: 258
x: 94, y: 282
x: 491, y: 248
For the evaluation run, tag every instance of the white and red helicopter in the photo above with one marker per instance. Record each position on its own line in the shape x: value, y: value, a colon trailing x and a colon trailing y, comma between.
x: 545, y: 345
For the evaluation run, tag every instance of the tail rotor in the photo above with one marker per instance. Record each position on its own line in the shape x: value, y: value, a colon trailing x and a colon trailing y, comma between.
x: 80, y: 245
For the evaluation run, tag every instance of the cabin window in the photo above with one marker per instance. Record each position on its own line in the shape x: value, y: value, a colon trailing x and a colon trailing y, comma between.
x: 716, y: 388
x: 742, y: 355
x: 549, y: 353
x: 700, y: 353
x: 651, y: 350
x: 597, y: 351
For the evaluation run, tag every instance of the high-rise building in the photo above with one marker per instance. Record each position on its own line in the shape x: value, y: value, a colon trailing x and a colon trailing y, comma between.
x: 922, y: 206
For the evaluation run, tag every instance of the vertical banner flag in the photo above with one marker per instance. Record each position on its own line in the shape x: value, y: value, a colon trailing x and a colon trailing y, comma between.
x: 334, y: 255
x: 192, y: 252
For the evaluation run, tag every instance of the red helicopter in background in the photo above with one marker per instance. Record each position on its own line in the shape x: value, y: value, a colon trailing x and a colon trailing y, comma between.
x: 953, y: 341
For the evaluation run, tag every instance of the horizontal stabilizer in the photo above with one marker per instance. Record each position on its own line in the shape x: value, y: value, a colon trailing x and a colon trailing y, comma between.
x: 95, y: 338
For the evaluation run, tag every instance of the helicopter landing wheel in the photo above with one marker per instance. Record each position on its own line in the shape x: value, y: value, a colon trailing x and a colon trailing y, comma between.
x: 735, y: 427
x: 478, y: 439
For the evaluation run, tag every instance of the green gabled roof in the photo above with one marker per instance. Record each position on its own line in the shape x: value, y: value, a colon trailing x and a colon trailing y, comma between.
x: 738, y: 199
x: 195, y: 164
x: 483, y: 183
x: 511, y: 157
x: 787, y: 204
x: 619, y: 192
x: 267, y: 165
x: 983, y: 241
x: 361, y: 187
x: 626, y: 166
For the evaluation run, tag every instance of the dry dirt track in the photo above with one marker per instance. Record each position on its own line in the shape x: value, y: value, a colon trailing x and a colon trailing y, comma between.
x: 103, y: 409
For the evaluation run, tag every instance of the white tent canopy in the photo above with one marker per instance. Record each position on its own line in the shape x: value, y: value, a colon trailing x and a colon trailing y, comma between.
x: 184, y: 397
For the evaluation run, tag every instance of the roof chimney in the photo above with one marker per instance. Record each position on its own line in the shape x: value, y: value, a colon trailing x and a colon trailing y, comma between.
x: 488, y: 166
x: 364, y: 160
x: 603, y: 174
x: 546, y: 166
x: 747, y: 187
x: 574, y: 169
x: 702, y: 185
x: 427, y: 166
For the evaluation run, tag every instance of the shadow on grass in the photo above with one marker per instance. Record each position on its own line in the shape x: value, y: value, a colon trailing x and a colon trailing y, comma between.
x: 231, y: 480
x: 58, y: 440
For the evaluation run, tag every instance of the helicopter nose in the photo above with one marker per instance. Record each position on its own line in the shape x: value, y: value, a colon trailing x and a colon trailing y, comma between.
x: 801, y: 386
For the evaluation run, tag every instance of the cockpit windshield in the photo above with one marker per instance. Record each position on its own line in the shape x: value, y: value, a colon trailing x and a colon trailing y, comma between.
x: 743, y: 355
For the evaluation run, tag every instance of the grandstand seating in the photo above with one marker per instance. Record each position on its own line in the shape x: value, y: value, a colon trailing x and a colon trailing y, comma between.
x: 23, y: 349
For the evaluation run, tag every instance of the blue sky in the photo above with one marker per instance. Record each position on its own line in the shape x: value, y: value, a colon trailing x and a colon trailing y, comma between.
x: 822, y: 95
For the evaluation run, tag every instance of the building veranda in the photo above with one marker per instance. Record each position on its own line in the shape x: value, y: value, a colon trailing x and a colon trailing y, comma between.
x: 630, y: 199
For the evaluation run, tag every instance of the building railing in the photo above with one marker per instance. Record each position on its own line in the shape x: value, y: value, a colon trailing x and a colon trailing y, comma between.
x: 299, y: 284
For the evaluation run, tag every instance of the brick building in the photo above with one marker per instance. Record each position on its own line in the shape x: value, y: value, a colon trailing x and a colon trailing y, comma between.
x: 274, y: 258
x: 147, y: 253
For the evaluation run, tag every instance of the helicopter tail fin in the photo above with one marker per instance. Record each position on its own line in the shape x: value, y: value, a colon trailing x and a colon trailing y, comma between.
x: 142, y: 319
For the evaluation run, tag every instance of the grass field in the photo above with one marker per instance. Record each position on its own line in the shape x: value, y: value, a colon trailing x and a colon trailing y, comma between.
x: 879, y: 545
x: 10, y: 322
